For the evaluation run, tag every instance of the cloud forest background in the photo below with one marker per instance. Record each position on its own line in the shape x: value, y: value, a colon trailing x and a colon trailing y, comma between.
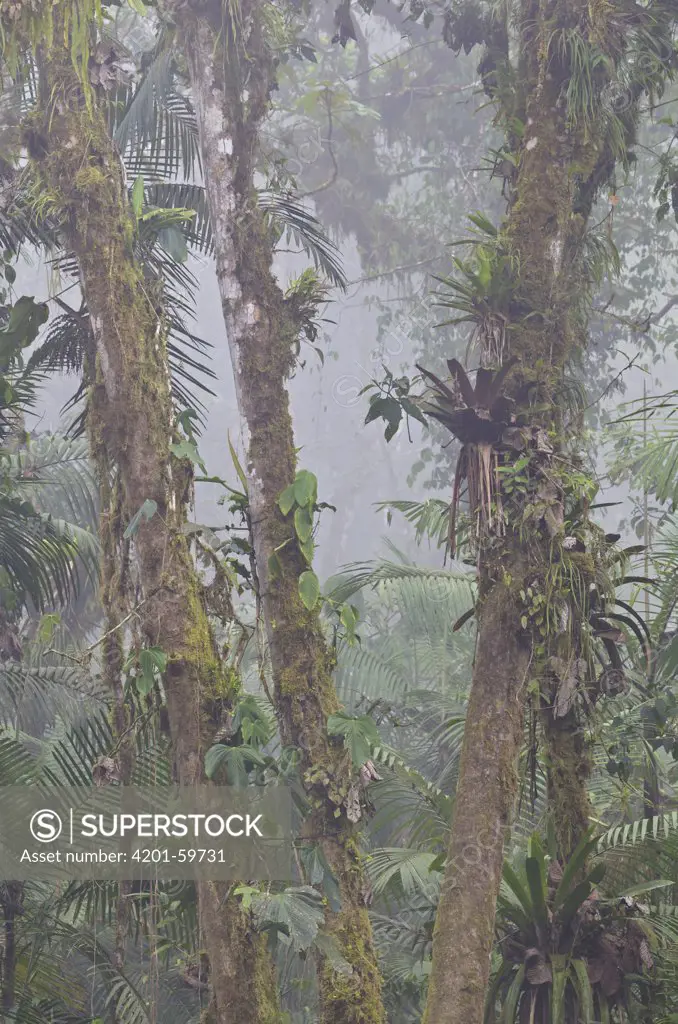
x: 438, y: 599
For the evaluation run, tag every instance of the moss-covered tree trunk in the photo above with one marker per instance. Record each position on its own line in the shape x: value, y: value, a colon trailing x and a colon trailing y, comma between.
x: 231, y: 71
x: 562, y: 158
x: 131, y: 429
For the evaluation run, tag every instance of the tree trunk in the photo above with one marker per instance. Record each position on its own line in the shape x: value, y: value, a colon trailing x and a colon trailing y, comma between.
x: 561, y: 162
x: 484, y: 802
x: 130, y: 423
x: 231, y: 73
x: 568, y: 771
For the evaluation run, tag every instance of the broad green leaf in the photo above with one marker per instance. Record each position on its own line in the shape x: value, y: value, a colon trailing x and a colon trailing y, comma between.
x: 214, y: 757
x: 25, y: 320
x: 307, y: 548
x: 298, y: 911
x: 388, y: 409
x: 151, y: 660
x: 237, y: 762
x: 305, y: 488
x: 286, y: 500
x: 309, y: 589
x: 303, y: 523
x: 186, y: 449
x: 359, y: 732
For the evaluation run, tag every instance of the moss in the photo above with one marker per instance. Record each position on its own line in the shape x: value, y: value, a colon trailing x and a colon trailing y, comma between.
x: 264, y: 983
x: 88, y: 179
x: 339, y: 988
x: 568, y: 772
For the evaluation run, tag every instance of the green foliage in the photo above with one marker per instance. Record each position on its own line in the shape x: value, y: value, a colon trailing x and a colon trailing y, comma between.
x: 359, y: 733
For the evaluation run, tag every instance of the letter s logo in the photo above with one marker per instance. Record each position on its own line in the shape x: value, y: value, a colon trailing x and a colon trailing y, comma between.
x: 46, y: 826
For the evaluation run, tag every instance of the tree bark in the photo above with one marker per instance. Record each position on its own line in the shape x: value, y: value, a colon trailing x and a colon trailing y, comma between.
x: 561, y: 162
x: 484, y: 802
x: 231, y: 71
x: 131, y: 428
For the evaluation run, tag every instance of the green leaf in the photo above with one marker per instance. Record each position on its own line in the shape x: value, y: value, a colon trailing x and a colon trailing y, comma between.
x: 238, y: 468
x: 151, y: 660
x: 247, y: 894
x: 186, y: 449
x: 303, y: 523
x: 512, y: 996
x: 348, y: 618
x: 388, y: 409
x: 580, y: 893
x: 309, y: 589
x: 307, y: 548
x: 286, y: 500
x: 25, y: 320
x: 560, y: 976
x: 637, y: 890
x: 48, y: 623
x: 138, y: 196
x: 237, y: 762
x: 584, y: 991
x: 214, y: 757
x: 359, y: 732
x: 537, y: 891
x: 413, y: 410
x: 144, y: 514
x: 518, y: 889
x: 305, y: 488
x: 574, y: 866
x: 298, y: 911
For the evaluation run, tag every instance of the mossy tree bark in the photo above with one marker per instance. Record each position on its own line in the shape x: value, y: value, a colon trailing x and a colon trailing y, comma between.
x: 562, y: 158
x: 130, y: 419
x: 232, y: 72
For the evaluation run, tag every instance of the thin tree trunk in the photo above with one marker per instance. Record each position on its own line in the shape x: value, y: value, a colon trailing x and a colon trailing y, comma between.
x: 231, y: 73
x: 130, y: 414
